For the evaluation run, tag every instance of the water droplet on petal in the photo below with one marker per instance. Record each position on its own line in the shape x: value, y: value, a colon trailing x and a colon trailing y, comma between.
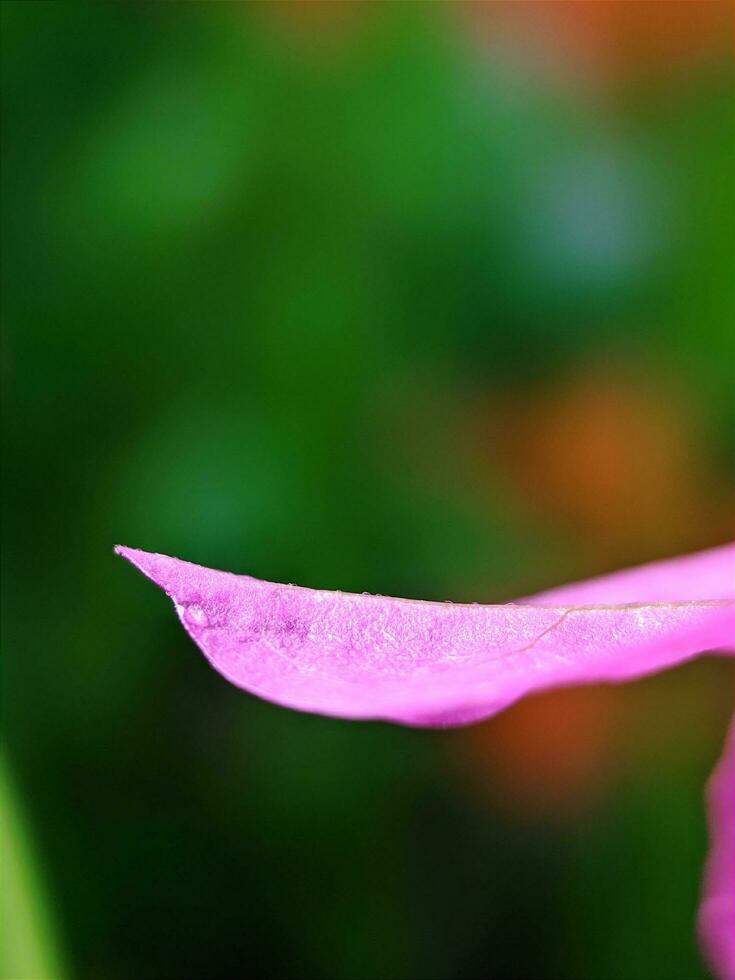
x: 196, y: 615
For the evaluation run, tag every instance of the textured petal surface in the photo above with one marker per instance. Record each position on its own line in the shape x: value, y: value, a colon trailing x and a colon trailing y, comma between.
x: 717, y: 912
x: 429, y: 663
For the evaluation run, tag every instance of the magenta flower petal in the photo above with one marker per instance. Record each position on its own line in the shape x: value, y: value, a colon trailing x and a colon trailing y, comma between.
x: 429, y: 663
x: 435, y: 663
x: 717, y: 911
x: 703, y: 575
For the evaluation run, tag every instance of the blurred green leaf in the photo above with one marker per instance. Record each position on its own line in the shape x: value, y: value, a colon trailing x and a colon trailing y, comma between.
x: 30, y: 950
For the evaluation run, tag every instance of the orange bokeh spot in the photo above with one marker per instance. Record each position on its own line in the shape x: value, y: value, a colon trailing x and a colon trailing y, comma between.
x: 556, y: 755
x: 550, y: 754
x: 615, y: 454
x: 313, y: 20
x: 607, y: 41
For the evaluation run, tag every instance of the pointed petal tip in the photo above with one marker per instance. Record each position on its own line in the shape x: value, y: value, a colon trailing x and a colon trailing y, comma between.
x: 173, y: 575
x: 133, y: 555
x: 122, y: 549
x: 145, y: 561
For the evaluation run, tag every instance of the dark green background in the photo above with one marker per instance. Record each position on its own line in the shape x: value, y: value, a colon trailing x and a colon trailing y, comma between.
x: 264, y: 271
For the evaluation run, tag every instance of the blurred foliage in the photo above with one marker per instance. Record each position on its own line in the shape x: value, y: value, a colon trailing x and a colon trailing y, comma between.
x: 359, y: 296
x: 29, y: 947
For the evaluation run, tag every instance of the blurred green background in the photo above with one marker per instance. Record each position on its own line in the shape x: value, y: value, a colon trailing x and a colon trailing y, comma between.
x: 430, y: 300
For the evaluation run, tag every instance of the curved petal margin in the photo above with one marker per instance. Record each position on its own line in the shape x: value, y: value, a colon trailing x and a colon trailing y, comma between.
x: 428, y: 663
x: 436, y: 663
x: 717, y: 911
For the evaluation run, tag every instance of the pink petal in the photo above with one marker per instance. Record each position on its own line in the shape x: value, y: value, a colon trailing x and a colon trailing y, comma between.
x: 717, y: 912
x: 704, y: 575
x: 429, y: 663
